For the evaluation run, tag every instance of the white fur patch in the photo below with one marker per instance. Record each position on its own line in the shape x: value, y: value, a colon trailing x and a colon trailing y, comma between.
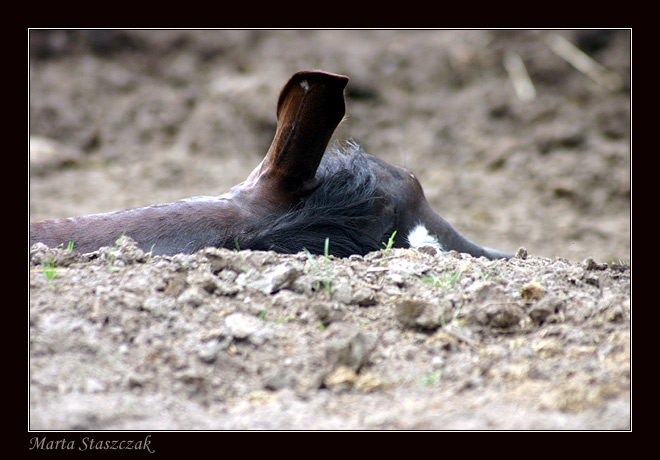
x: 420, y: 236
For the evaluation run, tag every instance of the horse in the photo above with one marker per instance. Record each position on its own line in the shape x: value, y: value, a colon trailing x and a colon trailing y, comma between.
x: 300, y: 195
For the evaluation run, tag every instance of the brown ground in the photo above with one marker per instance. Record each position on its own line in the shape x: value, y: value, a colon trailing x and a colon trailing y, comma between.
x: 406, y: 339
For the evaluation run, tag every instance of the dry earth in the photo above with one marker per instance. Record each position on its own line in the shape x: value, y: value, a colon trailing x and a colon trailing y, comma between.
x: 400, y: 339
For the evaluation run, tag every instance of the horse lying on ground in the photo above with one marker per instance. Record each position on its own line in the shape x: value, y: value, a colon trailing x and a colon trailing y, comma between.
x: 297, y: 197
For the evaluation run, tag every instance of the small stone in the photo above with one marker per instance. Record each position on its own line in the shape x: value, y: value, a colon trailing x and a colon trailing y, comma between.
x: 93, y: 385
x: 543, y: 309
x: 367, y: 382
x: 532, y: 291
x: 136, y: 381
x: 521, y: 253
x: 208, y: 351
x: 175, y: 284
x: 347, y: 345
x: 590, y: 264
x: 397, y: 279
x: 280, y: 277
x: 328, y: 312
x: 226, y: 288
x: 217, y: 258
x: 245, y: 327
x: 279, y: 379
x: 494, y: 308
x: 364, y: 297
x: 616, y: 314
x: 557, y: 136
x: 417, y: 313
x: 193, y: 296
x: 342, y: 378
x: 430, y: 250
x: 342, y: 291
x: 124, y: 252
x: 501, y: 315
x: 205, y: 280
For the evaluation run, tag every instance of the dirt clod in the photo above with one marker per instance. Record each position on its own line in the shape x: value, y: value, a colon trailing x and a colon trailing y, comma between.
x: 532, y: 291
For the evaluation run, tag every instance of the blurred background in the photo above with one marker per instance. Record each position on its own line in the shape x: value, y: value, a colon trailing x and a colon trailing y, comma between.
x: 519, y: 138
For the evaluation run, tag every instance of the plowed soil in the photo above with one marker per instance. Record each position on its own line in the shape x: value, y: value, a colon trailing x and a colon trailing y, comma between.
x: 398, y: 339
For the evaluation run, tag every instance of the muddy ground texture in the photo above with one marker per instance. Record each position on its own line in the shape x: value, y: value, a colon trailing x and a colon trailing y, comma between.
x: 397, y: 339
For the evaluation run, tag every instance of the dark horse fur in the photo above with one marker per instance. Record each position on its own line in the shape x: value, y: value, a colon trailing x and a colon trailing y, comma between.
x: 340, y: 208
x: 299, y: 196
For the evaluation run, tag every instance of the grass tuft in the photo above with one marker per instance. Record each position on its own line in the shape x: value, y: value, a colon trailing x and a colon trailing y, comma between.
x: 326, y: 279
